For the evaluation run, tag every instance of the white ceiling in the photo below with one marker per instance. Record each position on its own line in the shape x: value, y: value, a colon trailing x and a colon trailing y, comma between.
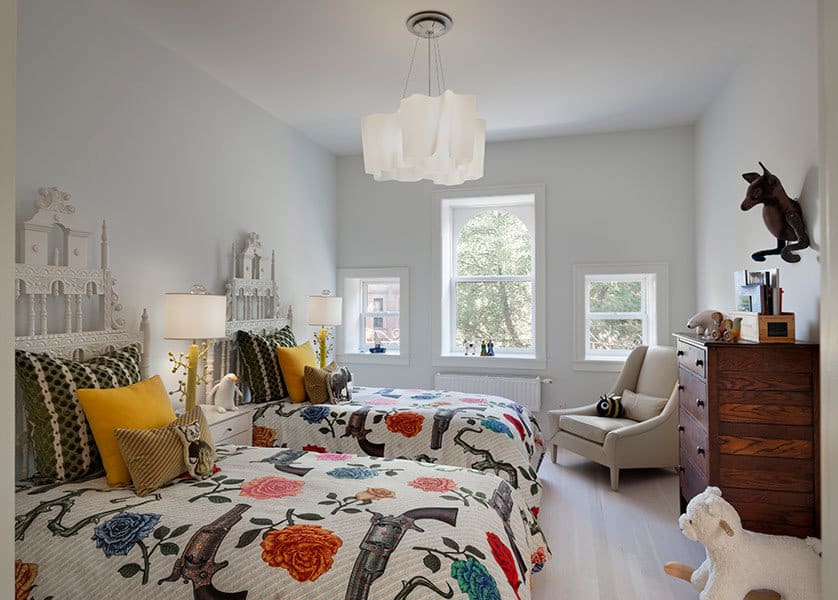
x: 538, y: 67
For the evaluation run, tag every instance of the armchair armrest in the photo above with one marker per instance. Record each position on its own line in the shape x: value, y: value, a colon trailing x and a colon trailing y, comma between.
x: 639, y: 428
x: 589, y: 410
x: 653, y: 442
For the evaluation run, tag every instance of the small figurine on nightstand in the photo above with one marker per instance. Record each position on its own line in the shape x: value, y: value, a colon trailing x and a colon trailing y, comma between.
x: 483, y: 348
x: 490, y: 348
x: 224, y: 393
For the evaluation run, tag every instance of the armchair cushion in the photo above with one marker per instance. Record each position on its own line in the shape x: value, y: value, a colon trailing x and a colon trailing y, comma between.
x: 641, y: 407
x: 592, y: 428
x: 658, y: 373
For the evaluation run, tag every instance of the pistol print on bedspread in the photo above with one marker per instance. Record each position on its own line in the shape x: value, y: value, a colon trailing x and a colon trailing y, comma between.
x: 486, y: 433
x: 283, y: 524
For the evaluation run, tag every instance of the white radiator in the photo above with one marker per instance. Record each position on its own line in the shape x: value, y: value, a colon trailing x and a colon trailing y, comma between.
x: 526, y: 391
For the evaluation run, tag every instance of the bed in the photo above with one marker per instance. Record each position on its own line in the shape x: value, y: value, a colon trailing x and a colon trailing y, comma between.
x: 268, y: 522
x: 486, y: 433
x: 279, y: 523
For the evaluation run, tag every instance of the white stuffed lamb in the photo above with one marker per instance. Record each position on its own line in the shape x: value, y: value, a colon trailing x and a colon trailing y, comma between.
x: 739, y: 561
x: 224, y: 393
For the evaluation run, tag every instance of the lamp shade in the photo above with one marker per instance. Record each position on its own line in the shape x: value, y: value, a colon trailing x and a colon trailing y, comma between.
x: 195, y: 316
x: 325, y: 310
x: 429, y: 137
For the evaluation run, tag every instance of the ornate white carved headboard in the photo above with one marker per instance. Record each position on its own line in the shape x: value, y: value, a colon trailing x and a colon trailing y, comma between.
x: 252, y: 301
x: 67, y: 275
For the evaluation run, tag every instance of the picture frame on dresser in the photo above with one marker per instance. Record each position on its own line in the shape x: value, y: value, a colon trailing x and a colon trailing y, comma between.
x: 749, y: 424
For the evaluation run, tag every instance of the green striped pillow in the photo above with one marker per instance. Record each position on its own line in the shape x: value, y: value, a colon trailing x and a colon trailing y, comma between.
x: 60, y: 435
x: 260, y: 364
x: 283, y: 337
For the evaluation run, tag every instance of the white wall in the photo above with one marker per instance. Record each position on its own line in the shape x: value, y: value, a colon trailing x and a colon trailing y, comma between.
x: 178, y: 164
x: 768, y: 111
x: 8, y: 40
x: 829, y: 309
x: 626, y: 196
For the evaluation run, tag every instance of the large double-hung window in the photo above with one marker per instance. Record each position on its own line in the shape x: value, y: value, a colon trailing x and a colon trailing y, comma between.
x: 490, y: 262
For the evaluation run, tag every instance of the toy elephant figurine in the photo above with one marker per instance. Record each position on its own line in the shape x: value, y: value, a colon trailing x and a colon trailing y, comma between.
x: 782, y: 215
x: 705, y: 322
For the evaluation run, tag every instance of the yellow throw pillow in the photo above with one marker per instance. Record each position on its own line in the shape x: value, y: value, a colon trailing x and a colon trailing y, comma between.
x: 292, y: 363
x: 155, y: 456
x: 144, y: 405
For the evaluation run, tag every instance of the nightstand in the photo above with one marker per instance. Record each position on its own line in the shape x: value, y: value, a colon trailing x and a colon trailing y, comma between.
x: 231, y: 427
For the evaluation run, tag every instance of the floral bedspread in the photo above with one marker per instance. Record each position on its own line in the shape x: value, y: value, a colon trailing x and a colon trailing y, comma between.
x: 487, y: 433
x: 277, y: 524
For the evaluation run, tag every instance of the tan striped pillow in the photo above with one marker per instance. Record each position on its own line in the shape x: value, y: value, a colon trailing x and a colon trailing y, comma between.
x: 155, y: 456
x: 317, y: 383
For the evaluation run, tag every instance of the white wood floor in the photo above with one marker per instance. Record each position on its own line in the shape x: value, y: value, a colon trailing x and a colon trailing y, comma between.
x: 611, y: 545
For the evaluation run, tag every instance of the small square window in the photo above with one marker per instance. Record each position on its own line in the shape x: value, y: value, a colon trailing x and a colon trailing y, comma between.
x: 618, y: 308
x: 373, y: 313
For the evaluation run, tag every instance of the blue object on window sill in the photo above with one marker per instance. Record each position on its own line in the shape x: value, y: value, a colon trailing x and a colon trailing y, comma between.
x: 378, y: 350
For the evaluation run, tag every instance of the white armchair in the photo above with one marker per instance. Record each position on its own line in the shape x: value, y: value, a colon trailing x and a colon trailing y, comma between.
x: 622, y: 443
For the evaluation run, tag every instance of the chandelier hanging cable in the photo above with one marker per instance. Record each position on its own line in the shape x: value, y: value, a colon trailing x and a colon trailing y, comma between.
x: 430, y: 137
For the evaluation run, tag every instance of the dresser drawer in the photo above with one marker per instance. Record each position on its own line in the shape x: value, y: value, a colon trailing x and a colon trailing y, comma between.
x: 692, y: 358
x: 693, y: 442
x: 222, y: 431
x: 776, y: 381
x: 766, y: 407
x: 769, y: 474
x: 244, y: 438
x: 693, y: 481
x: 692, y: 396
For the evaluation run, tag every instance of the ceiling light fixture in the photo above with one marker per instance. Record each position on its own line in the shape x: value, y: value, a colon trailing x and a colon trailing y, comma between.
x: 430, y: 137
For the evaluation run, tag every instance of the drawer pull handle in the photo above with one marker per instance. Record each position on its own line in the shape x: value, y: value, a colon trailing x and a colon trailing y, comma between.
x: 681, y: 388
x: 699, y: 450
x: 680, y: 428
x: 699, y: 402
x: 680, y: 469
x: 680, y: 353
x: 229, y: 429
x: 699, y: 362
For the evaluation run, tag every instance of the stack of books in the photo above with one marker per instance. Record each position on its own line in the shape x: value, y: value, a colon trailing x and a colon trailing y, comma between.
x: 758, y: 291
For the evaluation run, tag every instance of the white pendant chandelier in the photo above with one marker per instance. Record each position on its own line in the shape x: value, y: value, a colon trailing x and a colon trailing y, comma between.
x: 430, y: 137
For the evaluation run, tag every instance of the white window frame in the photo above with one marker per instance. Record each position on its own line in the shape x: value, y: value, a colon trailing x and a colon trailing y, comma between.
x: 349, y: 337
x: 367, y: 314
x: 451, y: 209
x: 654, y: 311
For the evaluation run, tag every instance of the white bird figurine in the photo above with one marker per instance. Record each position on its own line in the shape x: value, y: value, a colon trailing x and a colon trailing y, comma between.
x: 224, y: 393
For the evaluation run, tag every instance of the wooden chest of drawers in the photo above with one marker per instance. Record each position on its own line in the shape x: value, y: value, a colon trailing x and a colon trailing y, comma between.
x: 749, y: 425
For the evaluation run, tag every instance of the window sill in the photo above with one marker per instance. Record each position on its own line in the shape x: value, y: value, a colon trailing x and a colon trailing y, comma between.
x: 359, y: 358
x: 600, y: 365
x: 507, y: 362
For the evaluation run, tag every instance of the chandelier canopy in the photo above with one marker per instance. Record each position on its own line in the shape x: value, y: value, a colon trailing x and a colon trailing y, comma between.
x: 429, y: 137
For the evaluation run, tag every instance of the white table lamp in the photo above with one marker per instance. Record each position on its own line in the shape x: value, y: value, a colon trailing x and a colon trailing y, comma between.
x: 193, y: 316
x: 324, y: 310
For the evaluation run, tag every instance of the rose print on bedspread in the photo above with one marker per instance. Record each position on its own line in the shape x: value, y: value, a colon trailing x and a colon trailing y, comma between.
x: 305, y: 551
